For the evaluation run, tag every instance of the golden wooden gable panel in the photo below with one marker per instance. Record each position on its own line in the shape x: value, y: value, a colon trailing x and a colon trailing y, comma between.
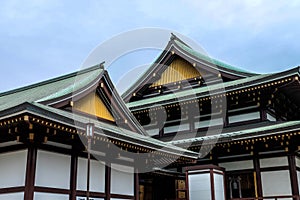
x: 178, y: 70
x: 93, y: 105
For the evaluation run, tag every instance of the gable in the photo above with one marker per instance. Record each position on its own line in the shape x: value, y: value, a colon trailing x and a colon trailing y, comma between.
x: 178, y: 70
x: 92, y: 104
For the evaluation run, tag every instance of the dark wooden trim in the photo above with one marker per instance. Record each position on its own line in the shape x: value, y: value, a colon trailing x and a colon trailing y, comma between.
x: 73, y: 176
x: 293, y: 175
x: 263, y: 114
x: 187, y: 185
x: 279, y: 168
x: 203, y: 167
x: 258, y: 176
x: 92, y: 194
x: 30, y: 173
x: 122, y: 196
x: 12, y: 189
x: 16, y: 147
x: 51, y: 190
x: 107, y: 180
x: 242, y: 171
x: 136, y: 185
x: 212, y: 184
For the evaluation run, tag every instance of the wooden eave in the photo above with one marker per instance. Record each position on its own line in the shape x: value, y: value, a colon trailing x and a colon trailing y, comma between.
x: 171, y: 51
x: 64, y: 130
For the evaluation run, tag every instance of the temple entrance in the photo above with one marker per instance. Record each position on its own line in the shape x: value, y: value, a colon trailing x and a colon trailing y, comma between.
x: 162, y: 186
x: 240, y: 185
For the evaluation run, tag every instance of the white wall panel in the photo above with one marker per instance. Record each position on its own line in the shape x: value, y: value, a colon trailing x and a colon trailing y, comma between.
x: 97, y: 175
x: 297, y: 160
x: 122, y: 179
x: 53, y: 170
x: 298, y: 177
x: 273, y: 162
x: 12, y: 196
x: 199, y: 186
x: 219, y: 187
x: 244, y: 117
x: 50, y: 196
x: 208, y: 123
x: 237, y: 165
x: 276, y: 183
x: 13, y: 169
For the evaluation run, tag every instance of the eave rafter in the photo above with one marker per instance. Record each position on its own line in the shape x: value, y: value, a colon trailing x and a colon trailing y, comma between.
x: 39, y: 130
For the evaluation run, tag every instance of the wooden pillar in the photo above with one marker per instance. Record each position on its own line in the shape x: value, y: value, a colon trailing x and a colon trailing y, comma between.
x: 258, y: 176
x: 73, y: 176
x: 30, y: 173
x: 107, y: 180
x: 136, y: 185
x: 212, y: 184
x: 263, y: 114
x: 293, y: 175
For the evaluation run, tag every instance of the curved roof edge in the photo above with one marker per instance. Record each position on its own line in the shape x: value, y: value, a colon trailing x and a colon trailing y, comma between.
x: 177, y: 43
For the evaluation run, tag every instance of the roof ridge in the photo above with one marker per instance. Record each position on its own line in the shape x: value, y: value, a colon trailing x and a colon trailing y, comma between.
x: 55, y: 79
x: 208, y: 58
x: 174, y: 37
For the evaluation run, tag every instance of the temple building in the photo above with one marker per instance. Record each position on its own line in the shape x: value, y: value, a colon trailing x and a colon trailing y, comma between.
x: 245, y: 126
x: 189, y: 128
x: 44, y: 149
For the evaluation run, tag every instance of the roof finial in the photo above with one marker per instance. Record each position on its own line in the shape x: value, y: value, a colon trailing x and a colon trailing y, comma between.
x: 173, y: 36
x: 101, y: 65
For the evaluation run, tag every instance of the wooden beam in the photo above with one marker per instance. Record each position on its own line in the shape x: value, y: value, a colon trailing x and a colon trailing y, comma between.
x: 136, y: 185
x: 107, y: 180
x: 73, y: 175
x: 293, y: 175
x: 258, y: 175
x: 212, y: 184
x: 30, y: 173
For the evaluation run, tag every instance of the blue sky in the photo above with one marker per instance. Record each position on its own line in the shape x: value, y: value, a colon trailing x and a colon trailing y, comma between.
x: 41, y: 39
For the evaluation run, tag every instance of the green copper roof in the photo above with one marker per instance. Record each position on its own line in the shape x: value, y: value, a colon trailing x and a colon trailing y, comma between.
x: 186, y: 93
x: 49, y: 89
x: 246, y: 133
x: 209, y: 59
x: 112, y: 128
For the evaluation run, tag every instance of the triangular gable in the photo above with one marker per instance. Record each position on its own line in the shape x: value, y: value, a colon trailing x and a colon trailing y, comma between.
x: 93, y: 105
x: 187, y: 62
x: 179, y: 70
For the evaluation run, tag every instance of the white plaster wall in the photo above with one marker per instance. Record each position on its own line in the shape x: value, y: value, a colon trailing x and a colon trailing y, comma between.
x: 237, y: 165
x: 122, y: 179
x: 276, y: 183
x: 219, y: 187
x: 273, y: 162
x: 12, y: 196
x: 13, y: 169
x: 181, y: 127
x: 53, y: 170
x: 297, y: 160
x: 208, y: 123
x: 199, y: 186
x: 50, y: 196
x: 244, y: 117
x: 97, y: 175
x: 298, y: 177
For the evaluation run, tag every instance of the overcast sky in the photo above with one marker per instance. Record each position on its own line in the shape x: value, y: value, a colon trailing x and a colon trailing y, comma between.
x: 43, y: 39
